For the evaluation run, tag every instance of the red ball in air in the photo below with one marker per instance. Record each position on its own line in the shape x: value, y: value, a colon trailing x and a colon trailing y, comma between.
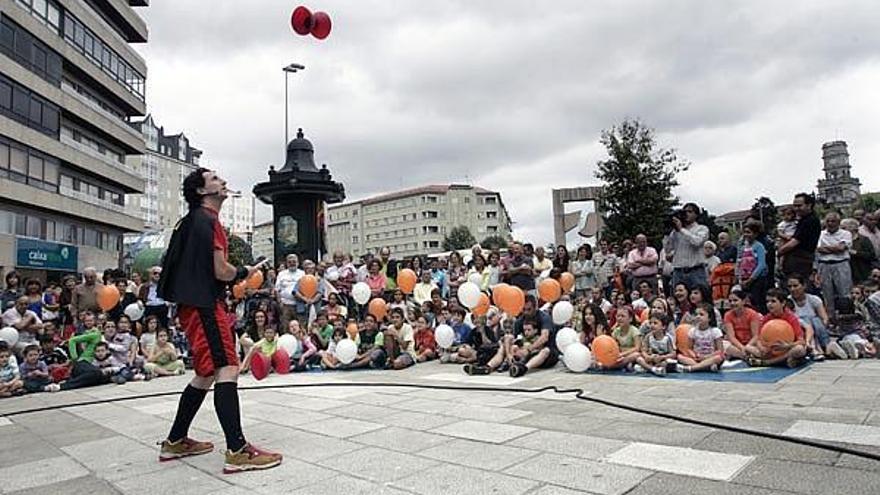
x: 301, y: 20
x: 321, y: 25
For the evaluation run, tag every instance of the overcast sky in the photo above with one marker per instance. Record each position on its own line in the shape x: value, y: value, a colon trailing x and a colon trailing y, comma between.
x: 512, y: 95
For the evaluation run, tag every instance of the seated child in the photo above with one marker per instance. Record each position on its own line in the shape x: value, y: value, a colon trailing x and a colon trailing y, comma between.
x: 705, y: 340
x: 329, y: 360
x: 371, y: 347
x: 522, y: 353
x: 779, y: 353
x: 851, y: 331
x: 486, y: 336
x: 399, y: 342
x: 10, y: 377
x: 657, y: 346
x: 426, y: 346
x: 307, y: 352
x: 628, y: 339
x: 162, y: 359
x: 34, y: 373
x: 463, y: 337
x: 54, y: 358
x: 321, y: 331
x: 267, y: 348
x: 108, y: 367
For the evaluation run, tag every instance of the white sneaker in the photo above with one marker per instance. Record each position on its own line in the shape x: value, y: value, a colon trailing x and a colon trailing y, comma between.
x: 52, y: 387
x: 682, y: 369
x: 659, y: 370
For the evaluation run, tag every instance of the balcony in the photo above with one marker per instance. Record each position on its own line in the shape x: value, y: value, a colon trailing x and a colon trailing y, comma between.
x: 97, y: 155
x: 85, y: 100
x: 81, y: 196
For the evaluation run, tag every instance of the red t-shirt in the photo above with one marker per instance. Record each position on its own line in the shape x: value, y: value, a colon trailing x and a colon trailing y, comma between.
x: 220, y: 241
x: 791, y: 319
x: 424, y: 339
x: 742, y: 324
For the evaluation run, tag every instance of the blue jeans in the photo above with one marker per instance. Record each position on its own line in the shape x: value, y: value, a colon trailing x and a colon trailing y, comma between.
x: 691, y: 276
x: 819, y: 330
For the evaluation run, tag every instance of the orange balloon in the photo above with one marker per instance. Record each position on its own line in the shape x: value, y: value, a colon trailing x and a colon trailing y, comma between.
x: 566, y: 280
x: 238, y: 289
x: 519, y: 302
x: 108, y: 297
x: 606, y: 350
x: 352, y: 330
x: 644, y: 315
x: 406, y: 280
x: 482, y: 307
x: 549, y: 290
x: 498, y: 293
x: 682, y: 340
x: 255, y: 281
x: 777, y: 331
x: 378, y: 308
x: 308, y: 286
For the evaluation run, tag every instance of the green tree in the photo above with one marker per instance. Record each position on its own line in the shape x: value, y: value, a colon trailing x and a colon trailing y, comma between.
x: 494, y: 242
x: 459, y: 238
x: 765, y: 210
x: 240, y: 252
x: 870, y: 201
x: 638, y: 178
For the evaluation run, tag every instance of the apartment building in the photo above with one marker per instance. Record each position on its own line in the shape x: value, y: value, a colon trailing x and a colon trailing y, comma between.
x: 415, y: 221
x: 69, y: 82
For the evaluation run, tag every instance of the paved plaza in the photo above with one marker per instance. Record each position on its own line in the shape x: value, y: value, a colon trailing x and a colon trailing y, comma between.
x: 398, y: 440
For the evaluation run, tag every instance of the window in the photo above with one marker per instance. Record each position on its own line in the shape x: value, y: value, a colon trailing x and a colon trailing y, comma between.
x: 28, y: 108
x: 467, y: 200
x: 30, y: 52
x: 18, y: 160
x: 491, y: 214
x: 490, y: 200
x: 354, y: 239
x: 492, y: 228
x: 33, y: 226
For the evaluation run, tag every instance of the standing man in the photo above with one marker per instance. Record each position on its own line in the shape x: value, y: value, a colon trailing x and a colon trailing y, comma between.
x: 869, y: 229
x: 195, y: 274
x: 798, y: 253
x: 604, y: 261
x: 685, y: 243
x: 389, y: 269
x: 85, y: 295
x: 149, y: 295
x: 285, y: 281
x: 520, y: 271
x: 832, y: 255
x: 641, y: 263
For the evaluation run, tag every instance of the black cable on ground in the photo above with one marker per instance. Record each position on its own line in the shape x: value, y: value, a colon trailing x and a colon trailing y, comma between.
x: 579, y: 393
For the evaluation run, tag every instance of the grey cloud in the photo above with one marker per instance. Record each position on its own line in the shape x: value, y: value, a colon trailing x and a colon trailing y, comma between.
x: 404, y: 93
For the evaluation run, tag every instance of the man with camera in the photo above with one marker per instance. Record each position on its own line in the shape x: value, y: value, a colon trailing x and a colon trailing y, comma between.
x: 684, y: 247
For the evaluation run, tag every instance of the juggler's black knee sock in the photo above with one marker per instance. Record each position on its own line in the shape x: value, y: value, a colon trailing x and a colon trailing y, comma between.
x: 229, y: 414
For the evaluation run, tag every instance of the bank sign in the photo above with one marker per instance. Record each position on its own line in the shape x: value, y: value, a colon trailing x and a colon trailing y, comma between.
x: 46, y: 255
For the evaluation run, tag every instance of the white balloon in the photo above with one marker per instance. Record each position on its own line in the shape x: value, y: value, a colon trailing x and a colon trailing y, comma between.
x: 445, y: 336
x: 562, y: 312
x: 346, y: 351
x: 469, y: 294
x: 361, y: 292
x: 564, y: 338
x: 577, y: 357
x: 10, y: 335
x: 476, y: 279
x: 288, y: 343
x: 332, y: 275
x: 134, y: 311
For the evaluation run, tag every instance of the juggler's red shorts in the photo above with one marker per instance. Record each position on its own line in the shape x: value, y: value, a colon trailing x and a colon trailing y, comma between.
x: 211, y: 337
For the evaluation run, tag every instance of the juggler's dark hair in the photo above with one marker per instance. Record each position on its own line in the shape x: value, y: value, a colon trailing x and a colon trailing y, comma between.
x: 191, y: 185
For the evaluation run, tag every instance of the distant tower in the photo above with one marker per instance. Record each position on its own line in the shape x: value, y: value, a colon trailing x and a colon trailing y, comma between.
x: 838, y: 187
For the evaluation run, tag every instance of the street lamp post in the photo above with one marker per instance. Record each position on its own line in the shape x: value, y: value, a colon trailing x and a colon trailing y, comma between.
x: 294, y: 67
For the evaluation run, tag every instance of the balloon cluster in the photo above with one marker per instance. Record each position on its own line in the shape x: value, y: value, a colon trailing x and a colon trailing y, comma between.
x: 304, y: 22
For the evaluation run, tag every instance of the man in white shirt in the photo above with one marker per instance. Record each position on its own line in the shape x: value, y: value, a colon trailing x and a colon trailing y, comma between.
x: 869, y: 229
x: 641, y: 263
x: 685, y: 244
x: 542, y: 265
x: 25, y: 321
x: 832, y: 256
x: 285, y: 281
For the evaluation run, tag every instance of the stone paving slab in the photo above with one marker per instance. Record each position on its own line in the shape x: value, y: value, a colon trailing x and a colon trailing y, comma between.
x: 580, y: 474
x: 483, y: 431
x: 478, y: 454
x: 678, y: 460
x: 448, y: 479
